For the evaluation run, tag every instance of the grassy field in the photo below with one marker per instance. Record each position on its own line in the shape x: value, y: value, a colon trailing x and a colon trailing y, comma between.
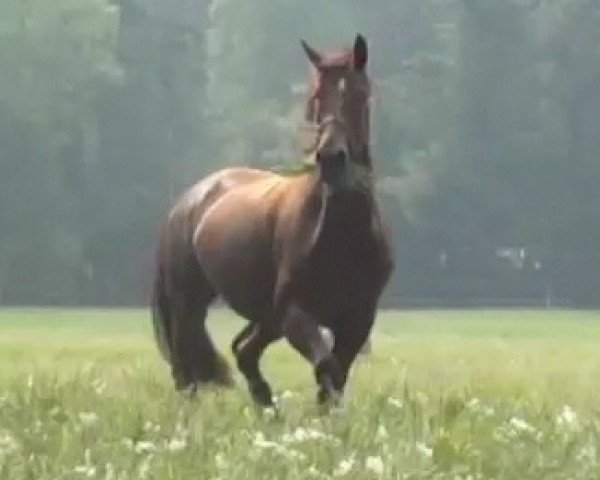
x: 445, y: 395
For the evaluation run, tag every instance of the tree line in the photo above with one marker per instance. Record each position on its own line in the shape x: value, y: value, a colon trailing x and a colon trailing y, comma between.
x: 485, y: 113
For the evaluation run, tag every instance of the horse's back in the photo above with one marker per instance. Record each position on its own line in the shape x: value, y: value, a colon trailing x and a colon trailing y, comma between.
x: 198, y: 198
x: 176, y: 249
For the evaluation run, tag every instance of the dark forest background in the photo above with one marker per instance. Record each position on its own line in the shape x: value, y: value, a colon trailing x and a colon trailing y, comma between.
x: 486, y: 119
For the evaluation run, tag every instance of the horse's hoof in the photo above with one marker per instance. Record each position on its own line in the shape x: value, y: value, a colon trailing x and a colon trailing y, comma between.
x: 187, y: 389
x: 261, y: 394
x: 329, y: 396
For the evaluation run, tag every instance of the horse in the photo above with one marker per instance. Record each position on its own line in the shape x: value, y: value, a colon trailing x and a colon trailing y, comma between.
x: 289, y: 253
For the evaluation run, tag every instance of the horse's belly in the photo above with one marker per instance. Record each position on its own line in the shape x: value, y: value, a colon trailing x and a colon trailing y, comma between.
x: 233, y: 246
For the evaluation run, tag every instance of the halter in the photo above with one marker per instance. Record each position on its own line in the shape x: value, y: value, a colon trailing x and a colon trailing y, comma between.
x: 362, y: 175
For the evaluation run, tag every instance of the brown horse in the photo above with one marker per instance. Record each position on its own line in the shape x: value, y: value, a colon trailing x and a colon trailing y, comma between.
x: 288, y: 253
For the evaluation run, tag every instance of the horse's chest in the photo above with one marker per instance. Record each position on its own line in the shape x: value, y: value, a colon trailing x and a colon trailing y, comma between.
x: 341, y: 272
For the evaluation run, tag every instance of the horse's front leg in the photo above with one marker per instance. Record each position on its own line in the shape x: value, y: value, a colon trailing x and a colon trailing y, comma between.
x: 304, y: 334
x: 351, y: 333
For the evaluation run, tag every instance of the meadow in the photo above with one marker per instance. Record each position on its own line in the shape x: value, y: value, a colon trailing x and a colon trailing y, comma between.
x: 444, y: 395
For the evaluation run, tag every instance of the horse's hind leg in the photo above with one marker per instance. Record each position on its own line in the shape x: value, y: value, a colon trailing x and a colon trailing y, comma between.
x: 195, y: 359
x: 248, y: 348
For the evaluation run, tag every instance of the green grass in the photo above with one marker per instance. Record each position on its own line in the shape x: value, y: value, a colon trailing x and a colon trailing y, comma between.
x: 445, y: 395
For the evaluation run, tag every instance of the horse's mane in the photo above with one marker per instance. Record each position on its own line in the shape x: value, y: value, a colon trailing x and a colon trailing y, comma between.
x: 307, y: 142
x: 296, y: 169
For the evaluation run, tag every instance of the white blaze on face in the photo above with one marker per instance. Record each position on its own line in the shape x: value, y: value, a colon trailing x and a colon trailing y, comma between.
x: 328, y: 337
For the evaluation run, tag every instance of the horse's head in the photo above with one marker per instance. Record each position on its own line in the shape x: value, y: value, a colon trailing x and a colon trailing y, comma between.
x: 338, y: 104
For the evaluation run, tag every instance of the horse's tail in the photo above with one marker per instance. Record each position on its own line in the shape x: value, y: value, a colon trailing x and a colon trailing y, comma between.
x: 160, y: 316
x: 180, y: 301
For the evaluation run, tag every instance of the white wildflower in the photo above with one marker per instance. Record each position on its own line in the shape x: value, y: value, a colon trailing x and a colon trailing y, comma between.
x: 261, y: 442
x: 88, y: 418
x: 423, y: 449
x: 221, y: 461
x: 144, y: 446
x: 488, y: 411
x: 521, y: 426
x: 567, y: 417
x: 99, y: 386
x: 87, y: 470
x: 58, y: 415
x: 127, y: 443
x: 8, y: 443
x: 304, y: 434
x: 299, y: 435
x: 180, y: 429
x: 344, y: 466
x: 110, y: 471
x: 286, y: 395
x: 374, y: 464
x: 177, y: 444
x: 587, y: 454
x: 475, y: 406
x: 290, y: 453
x: 144, y: 469
x: 394, y: 402
x: 37, y: 426
x: 382, y: 432
x: 269, y: 413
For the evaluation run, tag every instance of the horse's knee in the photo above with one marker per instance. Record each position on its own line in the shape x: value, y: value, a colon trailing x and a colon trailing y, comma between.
x: 306, y: 336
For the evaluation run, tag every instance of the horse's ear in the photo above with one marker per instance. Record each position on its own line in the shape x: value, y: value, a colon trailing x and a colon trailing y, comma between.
x: 314, y: 56
x: 360, y: 52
